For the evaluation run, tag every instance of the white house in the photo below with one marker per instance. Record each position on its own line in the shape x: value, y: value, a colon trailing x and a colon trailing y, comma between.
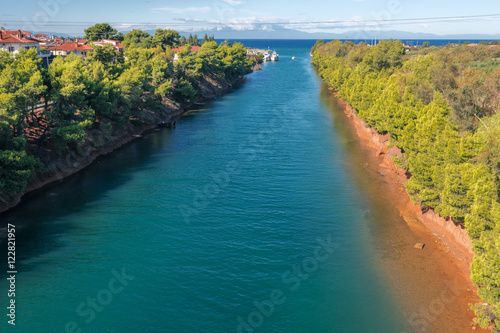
x: 14, y: 40
x: 117, y: 45
x: 194, y: 49
x: 80, y: 48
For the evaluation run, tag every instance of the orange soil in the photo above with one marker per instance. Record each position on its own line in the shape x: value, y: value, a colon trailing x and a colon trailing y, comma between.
x: 448, y: 248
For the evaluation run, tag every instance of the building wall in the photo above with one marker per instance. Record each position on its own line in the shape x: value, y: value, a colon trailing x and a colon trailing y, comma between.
x: 15, y: 47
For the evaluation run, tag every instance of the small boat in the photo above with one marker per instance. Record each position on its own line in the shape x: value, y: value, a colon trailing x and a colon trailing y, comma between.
x: 267, y: 56
x: 293, y: 58
x: 275, y: 56
x: 169, y: 124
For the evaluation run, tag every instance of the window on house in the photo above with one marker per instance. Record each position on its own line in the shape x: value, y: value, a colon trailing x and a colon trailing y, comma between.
x: 11, y: 48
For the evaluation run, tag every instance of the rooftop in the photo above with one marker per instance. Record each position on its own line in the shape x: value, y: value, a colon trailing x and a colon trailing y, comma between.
x: 71, y: 47
x: 16, y: 36
x: 193, y: 48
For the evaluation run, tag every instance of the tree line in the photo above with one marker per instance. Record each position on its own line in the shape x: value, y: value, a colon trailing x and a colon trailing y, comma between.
x: 140, y: 38
x: 440, y: 105
x: 60, y: 108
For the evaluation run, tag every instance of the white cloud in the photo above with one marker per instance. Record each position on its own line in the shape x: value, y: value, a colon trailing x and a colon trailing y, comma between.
x: 254, y: 23
x: 189, y: 19
x: 184, y: 10
x: 238, y: 11
x: 124, y: 26
x: 233, y: 2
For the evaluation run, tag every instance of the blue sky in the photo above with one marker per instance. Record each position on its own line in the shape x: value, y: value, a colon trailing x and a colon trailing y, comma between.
x: 73, y: 16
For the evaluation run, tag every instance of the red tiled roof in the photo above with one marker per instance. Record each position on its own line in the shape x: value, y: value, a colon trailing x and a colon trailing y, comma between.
x: 14, y: 39
x: 11, y: 36
x: 193, y: 48
x: 71, y: 47
x: 16, y: 32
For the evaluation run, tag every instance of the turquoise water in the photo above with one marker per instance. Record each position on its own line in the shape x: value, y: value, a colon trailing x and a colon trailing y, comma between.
x: 244, y: 217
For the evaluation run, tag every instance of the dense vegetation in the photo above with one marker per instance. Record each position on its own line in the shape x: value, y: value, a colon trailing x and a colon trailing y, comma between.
x: 57, y: 109
x: 440, y: 106
x: 167, y: 37
x: 102, y: 31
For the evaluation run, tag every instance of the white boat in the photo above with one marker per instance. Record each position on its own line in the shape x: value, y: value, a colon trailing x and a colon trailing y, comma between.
x: 293, y: 58
x: 275, y: 56
x: 267, y: 56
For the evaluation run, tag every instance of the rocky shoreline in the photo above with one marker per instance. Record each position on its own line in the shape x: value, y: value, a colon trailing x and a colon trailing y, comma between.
x: 100, y: 144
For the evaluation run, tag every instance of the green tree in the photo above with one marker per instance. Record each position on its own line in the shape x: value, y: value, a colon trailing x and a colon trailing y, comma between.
x: 205, y: 39
x: 16, y: 169
x: 319, y: 43
x: 428, y: 103
x: 119, y: 37
x: 137, y: 38
x: 22, y: 84
x: 107, y: 55
x: 166, y: 38
x: 70, y: 115
x: 185, y: 92
x: 193, y: 40
x: 99, y: 95
x: 102, y: 95
x: 100, y: 31
x: 6, y: 58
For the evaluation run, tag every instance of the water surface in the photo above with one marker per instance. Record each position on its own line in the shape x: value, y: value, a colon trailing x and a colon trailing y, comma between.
x: 245, y: 216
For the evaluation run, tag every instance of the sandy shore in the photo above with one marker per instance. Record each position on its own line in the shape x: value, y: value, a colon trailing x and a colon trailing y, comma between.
x: 433, y: 284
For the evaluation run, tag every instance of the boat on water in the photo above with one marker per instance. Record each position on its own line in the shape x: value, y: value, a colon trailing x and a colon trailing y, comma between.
x: 275, y: 56
x: 293, y: 58
x: 267, y: 56
x: 168, y: 124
